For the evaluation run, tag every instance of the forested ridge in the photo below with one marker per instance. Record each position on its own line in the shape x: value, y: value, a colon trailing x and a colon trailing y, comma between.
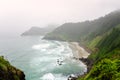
x: 102, y: 37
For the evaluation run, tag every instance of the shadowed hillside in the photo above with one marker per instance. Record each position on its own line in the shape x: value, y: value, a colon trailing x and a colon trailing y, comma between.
x: 8, y: 72
x: 102, y: 36
x: 85, y: 31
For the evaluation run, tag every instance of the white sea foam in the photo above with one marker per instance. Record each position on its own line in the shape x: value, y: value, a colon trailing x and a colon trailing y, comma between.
x: 40, y: 46
x: 48, y: 76
x: 47, y: 64
x: 60, y: 77
x: 40, y: 62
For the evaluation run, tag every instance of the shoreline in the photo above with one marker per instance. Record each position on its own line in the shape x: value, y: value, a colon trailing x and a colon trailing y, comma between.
x: 78, y: 51
x: 82, y: 54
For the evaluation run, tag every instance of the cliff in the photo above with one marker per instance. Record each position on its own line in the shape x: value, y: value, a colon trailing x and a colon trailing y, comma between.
x: 87, y: 30
x: 102, y: 37
x: 9, y: 72
x: 107, y: 59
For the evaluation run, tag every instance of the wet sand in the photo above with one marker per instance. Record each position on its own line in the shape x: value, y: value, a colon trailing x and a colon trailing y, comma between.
x: 78, y: 51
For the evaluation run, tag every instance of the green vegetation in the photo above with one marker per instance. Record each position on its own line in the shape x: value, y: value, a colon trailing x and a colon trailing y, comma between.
x: 105, y: 69
x: 110, y: 42
x: 102, y: 36
x: 94, y: 42
x: 107, y: 59
x: 107, y: 43
x: 85, y: 31
x: 8, y: 72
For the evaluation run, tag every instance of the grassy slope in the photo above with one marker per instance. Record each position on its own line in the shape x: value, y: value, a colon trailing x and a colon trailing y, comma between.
x: 8, y: 72
x: 85, y: 31
x: 102, y: 36
x: 107, y: 59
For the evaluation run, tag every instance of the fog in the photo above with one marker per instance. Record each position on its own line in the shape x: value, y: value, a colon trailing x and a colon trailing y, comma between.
x: 17, y: 16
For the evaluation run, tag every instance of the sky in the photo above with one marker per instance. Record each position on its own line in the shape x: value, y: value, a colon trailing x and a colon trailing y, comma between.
x: 17, y: 16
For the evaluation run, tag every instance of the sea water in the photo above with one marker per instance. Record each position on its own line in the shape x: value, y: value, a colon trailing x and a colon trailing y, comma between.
x: 39, y: 58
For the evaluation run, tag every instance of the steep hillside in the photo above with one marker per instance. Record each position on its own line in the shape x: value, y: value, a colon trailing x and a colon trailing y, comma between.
x: 8, y: 72
x: 105, y: 69
x: 106, y: 43
x: 102, y: 36
x: 107, y: 59
x: 85, y: 31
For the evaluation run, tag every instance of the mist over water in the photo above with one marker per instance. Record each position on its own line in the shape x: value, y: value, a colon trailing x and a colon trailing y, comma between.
x: 38, y: 58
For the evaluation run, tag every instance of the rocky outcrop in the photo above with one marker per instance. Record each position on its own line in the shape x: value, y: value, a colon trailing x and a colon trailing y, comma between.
x: 9, y: 72
x: 88, y: 62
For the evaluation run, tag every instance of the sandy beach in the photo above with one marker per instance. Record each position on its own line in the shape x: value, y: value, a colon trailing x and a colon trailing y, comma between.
x: 78, y: 51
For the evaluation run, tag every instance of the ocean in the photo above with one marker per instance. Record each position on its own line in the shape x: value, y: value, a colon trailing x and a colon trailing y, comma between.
x: 41, y: 59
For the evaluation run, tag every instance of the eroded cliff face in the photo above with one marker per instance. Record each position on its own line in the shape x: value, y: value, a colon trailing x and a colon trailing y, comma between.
x: 9, y: 72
